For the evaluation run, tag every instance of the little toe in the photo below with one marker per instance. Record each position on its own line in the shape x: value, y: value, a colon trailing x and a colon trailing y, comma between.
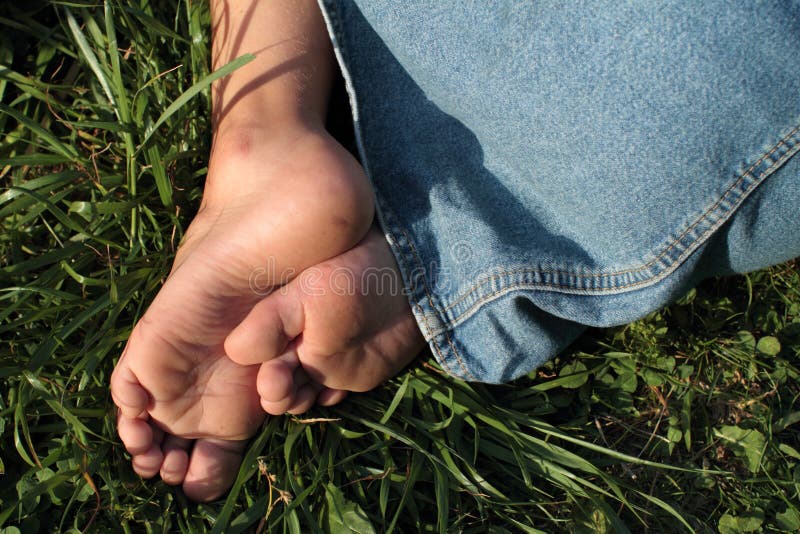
x: 213, y: 466
x: 278, y: 381
x: 275, y: 380
x: 176, y: 460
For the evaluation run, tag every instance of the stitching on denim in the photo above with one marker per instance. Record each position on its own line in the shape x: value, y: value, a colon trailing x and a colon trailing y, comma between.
x: 433, y: 305
x: 389, y: 224
x: 675, y: 243
x: 687, y: 251
x: 437, y: 350
x: 793, y: 150
x: 420, y: 312
x: 424, y: 318
x: 435, y: 308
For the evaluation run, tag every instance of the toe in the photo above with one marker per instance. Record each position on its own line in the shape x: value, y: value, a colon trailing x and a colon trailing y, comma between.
x: 176, y: 460
x: 304, y: 399
x: 143, y: 442
x: 213, y: 466
x: 126, y: 391
x: 284, y: 386
x: 329, y: 396
x: 268, y: 329
x: 276, y: 379
x: 148, y: 464
x: 136, y: 434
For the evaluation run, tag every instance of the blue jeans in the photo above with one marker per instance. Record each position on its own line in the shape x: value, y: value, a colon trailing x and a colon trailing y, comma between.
x: 541, y: 167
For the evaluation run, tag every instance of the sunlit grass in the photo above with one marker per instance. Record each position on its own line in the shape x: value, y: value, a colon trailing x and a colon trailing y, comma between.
x: 686, y: 420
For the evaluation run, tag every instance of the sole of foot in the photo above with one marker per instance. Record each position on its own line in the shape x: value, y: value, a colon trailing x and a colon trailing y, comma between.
x: 343, y: 325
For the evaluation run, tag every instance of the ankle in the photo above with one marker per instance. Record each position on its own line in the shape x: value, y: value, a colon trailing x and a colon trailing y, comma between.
x: 247, y: 138
x: 246, y: 158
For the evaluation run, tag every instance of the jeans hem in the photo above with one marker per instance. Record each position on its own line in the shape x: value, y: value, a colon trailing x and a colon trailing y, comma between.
x: 437, y: 319
x: 423, y: 301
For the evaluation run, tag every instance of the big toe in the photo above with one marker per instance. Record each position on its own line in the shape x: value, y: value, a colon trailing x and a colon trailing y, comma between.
x: 212, y: 469
x: 269, y: 328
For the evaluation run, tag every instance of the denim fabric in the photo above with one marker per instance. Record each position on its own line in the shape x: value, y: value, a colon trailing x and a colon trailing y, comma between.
x: 540, y: 167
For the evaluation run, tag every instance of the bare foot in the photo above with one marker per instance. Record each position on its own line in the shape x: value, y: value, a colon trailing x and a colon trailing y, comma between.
x: 343, y: 325
x: 185, y: 409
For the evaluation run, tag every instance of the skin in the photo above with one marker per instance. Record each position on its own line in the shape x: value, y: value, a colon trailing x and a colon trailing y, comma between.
x: 283, y: 202
x: 344, y: 325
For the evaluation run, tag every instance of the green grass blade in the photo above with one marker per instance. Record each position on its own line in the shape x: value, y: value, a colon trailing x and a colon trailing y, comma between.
x: 55, y: 144
x: 91, y: 58
x: 195, y: 89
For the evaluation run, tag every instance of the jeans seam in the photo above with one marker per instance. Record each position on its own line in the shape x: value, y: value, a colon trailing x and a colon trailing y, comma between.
x: 389, y: 225
x: 456, y: 354
x: 437, y: 350
x: 655, y: 277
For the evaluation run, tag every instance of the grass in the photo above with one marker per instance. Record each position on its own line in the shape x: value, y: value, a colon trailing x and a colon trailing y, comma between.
x: 683, y: 421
